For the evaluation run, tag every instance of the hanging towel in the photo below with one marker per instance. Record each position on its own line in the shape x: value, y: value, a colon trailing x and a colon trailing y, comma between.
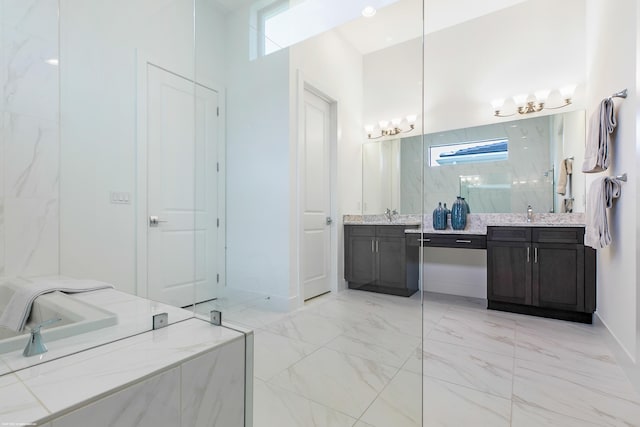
x: 561, y: 187
x: 601, y: 194
x: 601, y: 126
x: 17, y: 311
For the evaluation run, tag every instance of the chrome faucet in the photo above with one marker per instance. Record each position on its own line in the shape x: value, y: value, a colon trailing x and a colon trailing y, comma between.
x: 35, y: 345
x: 390, y: 214
x: 529, y: 213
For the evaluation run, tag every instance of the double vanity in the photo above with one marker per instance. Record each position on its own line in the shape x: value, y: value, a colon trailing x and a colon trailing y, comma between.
x: 540, y: 268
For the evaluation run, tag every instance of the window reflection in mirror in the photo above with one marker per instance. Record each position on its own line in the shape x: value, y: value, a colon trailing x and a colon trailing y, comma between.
x: 536, y: 149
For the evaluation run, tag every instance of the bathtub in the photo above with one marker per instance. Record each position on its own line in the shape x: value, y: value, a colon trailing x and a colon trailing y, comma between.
x: 77, y: 316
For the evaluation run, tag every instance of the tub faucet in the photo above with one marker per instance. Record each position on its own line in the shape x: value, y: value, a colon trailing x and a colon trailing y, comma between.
x: 35, y: 345
x: 529, y: 213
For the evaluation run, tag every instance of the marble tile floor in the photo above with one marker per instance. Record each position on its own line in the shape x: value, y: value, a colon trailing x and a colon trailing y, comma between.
x: 356, y: 359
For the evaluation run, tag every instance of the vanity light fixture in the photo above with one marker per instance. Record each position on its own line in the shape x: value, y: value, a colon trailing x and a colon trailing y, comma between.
x: 526, y: 103
x: 391, y: 128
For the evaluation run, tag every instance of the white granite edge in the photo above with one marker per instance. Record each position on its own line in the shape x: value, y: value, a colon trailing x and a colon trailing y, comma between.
x: 476, y: 223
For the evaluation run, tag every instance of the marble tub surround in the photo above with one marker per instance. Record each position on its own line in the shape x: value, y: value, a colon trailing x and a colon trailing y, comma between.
x: 29, y: 140
x: 134, y: 317
x: 193, y: 364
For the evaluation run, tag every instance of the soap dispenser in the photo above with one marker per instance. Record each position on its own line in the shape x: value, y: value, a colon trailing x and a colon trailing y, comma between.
x: 529, y: 213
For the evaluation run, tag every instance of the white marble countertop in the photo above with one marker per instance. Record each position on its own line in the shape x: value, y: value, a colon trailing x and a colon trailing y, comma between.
x: 34, y: 394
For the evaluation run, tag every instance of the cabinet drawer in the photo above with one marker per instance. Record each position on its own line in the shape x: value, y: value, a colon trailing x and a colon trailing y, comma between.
x: 468, y: 241
x: 390, y: 230
x: 437, y: 240
x: 558, y: 235
x: 509, y: 234
x: 362, y: 230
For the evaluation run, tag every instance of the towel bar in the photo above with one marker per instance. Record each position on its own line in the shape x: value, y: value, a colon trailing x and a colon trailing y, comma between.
x: 621, y: 94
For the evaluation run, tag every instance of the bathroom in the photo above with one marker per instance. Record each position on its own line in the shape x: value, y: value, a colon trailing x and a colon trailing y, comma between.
x: 79, y: 186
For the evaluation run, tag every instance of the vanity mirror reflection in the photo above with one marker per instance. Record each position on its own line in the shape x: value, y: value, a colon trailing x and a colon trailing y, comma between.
x: 499, y: 168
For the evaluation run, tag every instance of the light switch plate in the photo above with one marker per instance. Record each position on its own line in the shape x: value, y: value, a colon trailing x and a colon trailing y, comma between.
x: 160, y: 320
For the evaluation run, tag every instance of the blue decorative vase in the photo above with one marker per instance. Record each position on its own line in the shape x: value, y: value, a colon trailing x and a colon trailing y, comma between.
x: 439, y: 217
x: 459, y: 212
x: 466, y: 204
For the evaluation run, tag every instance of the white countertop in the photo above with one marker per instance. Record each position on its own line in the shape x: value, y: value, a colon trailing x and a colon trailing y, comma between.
x: 476, y: 223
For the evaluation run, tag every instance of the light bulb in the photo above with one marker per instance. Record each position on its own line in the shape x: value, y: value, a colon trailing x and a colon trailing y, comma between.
x: 520, y: 100
x: 542, y: 95
x: 497, y: 104
x: 567, y: 91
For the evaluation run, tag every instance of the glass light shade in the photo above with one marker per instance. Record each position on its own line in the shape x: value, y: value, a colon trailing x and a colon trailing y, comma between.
x: 384, y: 124
x: 411, y: 119
x: 567, y: 91
x: 497, y: 103
x: 396, y: 122
x: 520, y: 100
x: 369, y: 128
x: 542, y: 95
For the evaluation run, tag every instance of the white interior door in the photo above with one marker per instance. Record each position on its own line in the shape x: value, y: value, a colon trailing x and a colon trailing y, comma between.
x: 181, y: 189
x: 315, y: 175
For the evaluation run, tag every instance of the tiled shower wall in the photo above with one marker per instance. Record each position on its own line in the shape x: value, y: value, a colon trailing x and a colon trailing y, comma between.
x: 29, y: 137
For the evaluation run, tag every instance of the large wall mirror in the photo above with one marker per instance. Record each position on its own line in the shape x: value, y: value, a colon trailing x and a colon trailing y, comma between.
x: 498, y: 168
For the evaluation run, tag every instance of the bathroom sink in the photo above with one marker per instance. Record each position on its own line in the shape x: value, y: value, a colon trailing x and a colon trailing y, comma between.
x: 78, y: 317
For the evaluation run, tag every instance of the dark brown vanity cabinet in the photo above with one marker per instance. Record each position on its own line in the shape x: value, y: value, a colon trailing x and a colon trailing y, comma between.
x: 545, y: 271
x: 377, y: 259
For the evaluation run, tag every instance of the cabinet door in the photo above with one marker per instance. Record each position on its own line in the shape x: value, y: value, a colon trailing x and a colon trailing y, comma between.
x: 362, y: 260
x: 509, y: 272
x: 391, y: 261
x: 558, y: 276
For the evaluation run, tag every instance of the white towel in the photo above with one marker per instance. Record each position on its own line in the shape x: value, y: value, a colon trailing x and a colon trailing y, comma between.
x: 17, y: 311
x: 601, y: 194
x: 601, y: 126
x: 561, y: 187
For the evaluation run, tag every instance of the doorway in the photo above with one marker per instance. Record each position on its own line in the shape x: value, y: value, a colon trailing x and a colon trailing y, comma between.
x: 178, y: 170
x: 317, y: 135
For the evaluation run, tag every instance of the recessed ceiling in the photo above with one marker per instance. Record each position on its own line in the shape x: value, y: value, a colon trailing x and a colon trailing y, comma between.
x: 401, y: 21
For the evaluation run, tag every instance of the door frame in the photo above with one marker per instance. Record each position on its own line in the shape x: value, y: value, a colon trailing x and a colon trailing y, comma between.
x: 140, y: 196
x: 305, y: 84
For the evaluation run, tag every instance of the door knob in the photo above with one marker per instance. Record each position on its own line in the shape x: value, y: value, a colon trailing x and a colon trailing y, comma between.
x: 155, y: 220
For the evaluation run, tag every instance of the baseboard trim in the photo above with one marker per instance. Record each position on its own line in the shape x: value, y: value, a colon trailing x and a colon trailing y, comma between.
x: 624, y: 358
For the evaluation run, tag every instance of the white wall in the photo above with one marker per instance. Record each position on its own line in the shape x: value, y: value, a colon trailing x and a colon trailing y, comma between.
x: 99, y: 43
x: 611, y: 66
x: 467, y: 66
x: 29, y: 143
x: 334, y: 67
x: 258, y: 166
